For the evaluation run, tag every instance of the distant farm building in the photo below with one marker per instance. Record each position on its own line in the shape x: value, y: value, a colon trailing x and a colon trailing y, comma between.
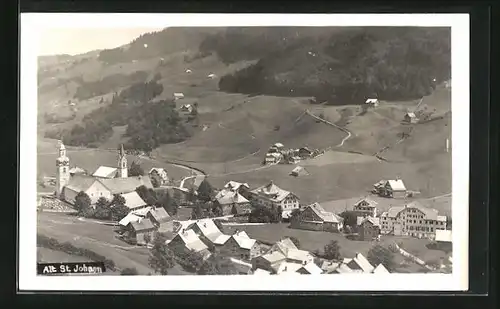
x: 293, y: 159
x: 188, y: 71
x: 304, y: 152
x: 390, y: 188
x: 315, y: 218
x: 410, y: 117
x: 211, y: 75
x: 299, y: 171
x: 273, y: 158
x: 137, y: 231
x: 372, y: 102
x: 159, y: 173
x: 178, y: 95
x: 187, y: 108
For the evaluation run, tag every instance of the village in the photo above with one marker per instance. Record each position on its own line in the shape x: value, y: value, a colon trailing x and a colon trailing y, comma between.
x: 218, y: 222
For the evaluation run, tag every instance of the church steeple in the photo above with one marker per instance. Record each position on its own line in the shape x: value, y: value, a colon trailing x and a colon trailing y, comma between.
x: 62, y: 164
x: 122, y: 163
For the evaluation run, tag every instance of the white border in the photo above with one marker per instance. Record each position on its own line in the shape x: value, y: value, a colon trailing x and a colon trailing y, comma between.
x: 32, y: 23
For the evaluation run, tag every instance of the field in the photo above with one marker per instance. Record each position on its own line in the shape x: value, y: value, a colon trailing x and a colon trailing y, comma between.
x: 96, y: 237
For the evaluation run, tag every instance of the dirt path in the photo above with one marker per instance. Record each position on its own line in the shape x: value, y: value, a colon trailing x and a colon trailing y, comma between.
x: 348, y: 136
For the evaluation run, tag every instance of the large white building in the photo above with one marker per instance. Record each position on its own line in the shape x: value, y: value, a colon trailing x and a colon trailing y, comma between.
x: 412, y: 219
x: 271, y: 195
x: 68, y: 185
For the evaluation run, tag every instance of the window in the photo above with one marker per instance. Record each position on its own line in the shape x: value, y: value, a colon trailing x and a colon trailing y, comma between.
x: 420, y: 221
x: 432, y: 229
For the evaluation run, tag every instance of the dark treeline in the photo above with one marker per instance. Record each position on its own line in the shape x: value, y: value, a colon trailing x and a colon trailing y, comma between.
x: 344, y: 67
x: 108, y: 84
x: 149, y: 123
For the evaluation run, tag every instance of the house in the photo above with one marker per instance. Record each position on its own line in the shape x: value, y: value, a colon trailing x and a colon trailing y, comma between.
x: 314, y: 217
x: 105, y: 172
x: 372, y: 102
x: 412, y: 219
x: 158, y: 215
x: 271, y: 195
x: 444, y: 239
x: 273, y: 158
x: 359, y: 264
x: 178, y: 95
x: 380, y: 270
x: 241, y: 188
x: 188, y: 71
x: 269, y: 262
x: 305, y: 152
x: 299, y: 171
x: 285, y: 268
x: 134, y: 215
x: 160, y: 174
x: 88, y: 184
x: 278, y: 146
x: 140, y: 232
x: 259, y: 271
x: 293, y: 159
x: 187, y: 108
x: 233, y: 203
x: 410, y: 117
x: 291, y: 253
x: 133, y: 201
x: 365, y: 207
x: 368, y: 228
x: 329, y: 266
x: 243, y: 268
x: 77, y: 171
x: 187, y: 241
x: 240, y: 246
x: 390, y: 188
x: 211, y: 75
x: 206, y: 230
x: 310, y: 269
x: 342, y: 269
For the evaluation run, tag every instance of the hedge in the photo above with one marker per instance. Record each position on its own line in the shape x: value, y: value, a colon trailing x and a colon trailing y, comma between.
x: 66, y: 247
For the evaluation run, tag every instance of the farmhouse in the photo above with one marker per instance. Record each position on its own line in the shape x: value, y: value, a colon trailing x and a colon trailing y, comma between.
x: 291, y: 253
x: 372, y: 102
x: 359, y: 264
x: 365, y: 207
x: 105, y: 172
x: 207, y: 231
x: 269, y: 262
x: 133, y: 201
x: 368, y: 228
x: 139, y: 231
x: 412, y: 220
x: 304, y: 152
x: 410, y: 117
x: 380, y: 269
x: 390, y: 188
x: 273, y: 158
x: 315, y: 218
x: 271, y: 195
x: 240, y: 246
x: 187, y: 241
x: 299, y: 171
x: 158, y: 215
x: 293, y: 159
x: 178, y: 95
x: 310, y: 269
x: 232, y: 203
x: 160, y: 174
x: 234, y: 186
x: 77, y: 171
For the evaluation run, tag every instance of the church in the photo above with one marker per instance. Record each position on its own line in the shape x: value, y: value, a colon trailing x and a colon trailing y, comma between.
x: 104, y: 182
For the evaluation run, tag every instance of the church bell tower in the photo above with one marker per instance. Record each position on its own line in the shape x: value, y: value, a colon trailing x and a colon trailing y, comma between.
x: 122, y: 163
x: 62, y: 164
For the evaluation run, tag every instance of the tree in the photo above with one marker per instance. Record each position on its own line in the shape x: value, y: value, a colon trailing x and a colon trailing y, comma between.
x: 168, y: 203
x: 191, y: 261
x: 82, y: 202
x: 157, y: 76
x: 205, y: 191
x: 197, y: 212
x: 234, y: 210
x: 161, y: 258
x: 147, y: 238
x: 118, y: 210
x: 332, y: 250
x: 217, y: 210
x: 217, y: 265
x: 135, y: 169
x: 129, y: 272
x: 102, y: 209
x: 295, y: 241
x: 148, y: 195
x: 350, y: 217
x: 191, y: 196
x: 155, y: 181
x: 381, y: 255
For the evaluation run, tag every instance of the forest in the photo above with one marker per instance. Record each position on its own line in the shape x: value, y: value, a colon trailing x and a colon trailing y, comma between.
x: 107, y: 84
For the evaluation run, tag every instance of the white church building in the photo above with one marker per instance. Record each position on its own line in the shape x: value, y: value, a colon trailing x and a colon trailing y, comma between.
x: 99, y: 184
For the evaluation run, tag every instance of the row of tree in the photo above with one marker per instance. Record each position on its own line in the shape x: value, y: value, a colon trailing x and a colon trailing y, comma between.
x: 109, y: 83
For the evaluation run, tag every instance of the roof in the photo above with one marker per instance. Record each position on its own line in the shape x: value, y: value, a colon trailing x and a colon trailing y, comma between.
x: 441, y: 218
x: 443, y: 235
x: 160, y: 214
x: 273, y: 257
x: 243, y: 240
x: 142, y: 212
x: 430, y: 214
x: 371, y: 100
x: 131, y: 217
x: 396, y: 185
x: 361, y: 263
x: 370, y: 202
x: 279, y: 145
x: 285, y: 244
x: 207, y: 228
x: 260, y: 271
x: 221, y: 239
x: 286, y: 267
x: 305, y: 148
x: 133, y: 200
x: 410, y: 114
x: 105, y: 172
x: 394, y: 211
x: 231, y: 198
x: 234, y: 185
x: 125, y: 185
x: 312, y: 269
x: 325, y: 215
x: 178, y: 94
x: 142, y: 224
x: 343, y: 269
x: 77, y: 170
x: 329, y: 266
x: 300, y: 170
x: 372, y: 220
x: 271, y: 191
x: 273, y: 154
x: 241, y: 265
x: 191, y: 240
x: 160, y: 171
x: 380, y: 269
x: 79, y: 183
x: 298, y: 255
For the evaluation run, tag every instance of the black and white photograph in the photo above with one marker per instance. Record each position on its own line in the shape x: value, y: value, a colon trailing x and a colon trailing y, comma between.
x: 215, y: 149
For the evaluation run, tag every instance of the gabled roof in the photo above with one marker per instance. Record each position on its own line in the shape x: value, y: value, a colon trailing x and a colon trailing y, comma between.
x: 371, y: 203
x: 298, y: 255
x: 191, y: 240
x: 325, y: 215
x: 160, y: 214
x: 125, y: 185
x: 343, y: 269
x: 272, y: 191
x: 105, y: 172
x: 380, y: 269
x: 285, y: 244
x: 394, y: 211
x: 443, y: 235
x: 286, y: 267
x: 279, y: 145
x: 329, y: 266
x: 207, y: 228
x: 133, y: 200
x: 359, y: 262
x: 371, y: 101
x: 142, y: 225
x: 396, y: 185
x: 79, y: 183
x: 221, y: 239
x: 273, y: 257
x: 430, y: 214
x: 410, y: 114
x: 299, y: 170
x: 160, y: 171
x: 231, y: 198
x: 243, y: 240
x: 234, y: 185
x: 142, y: 212
x: 131, y: 217
x: 242, y: 266
x: 77, y: 170
x: 178, y: 94
x: 260, y: 271
x: 311, y: 269
x: 372, y: 220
